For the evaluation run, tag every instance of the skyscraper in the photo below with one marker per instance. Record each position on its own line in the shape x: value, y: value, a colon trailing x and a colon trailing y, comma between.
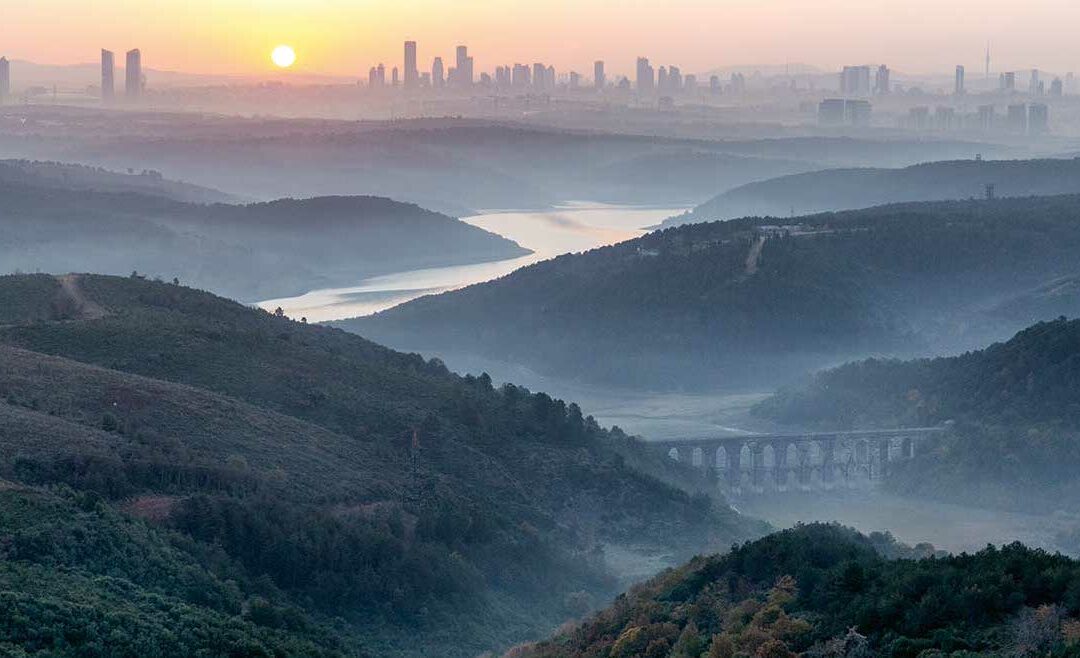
x: 438, y: 73
x: 599, y: 77
x: 108, y: 75
x: 646, y: 76
x: 133, y: 75
x: 882, y: 86
x: 855, y: 81
x: 1033, y: 82
x: 1038, y: 119
x: 539, y: 76
x: 412, y: 74
x: 5, y: 79
x: 463, y: 71
x: 959, y: 88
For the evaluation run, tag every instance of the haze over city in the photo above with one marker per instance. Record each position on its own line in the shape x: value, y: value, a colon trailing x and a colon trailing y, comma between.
x: 592, y: 329
x: 233, y: 37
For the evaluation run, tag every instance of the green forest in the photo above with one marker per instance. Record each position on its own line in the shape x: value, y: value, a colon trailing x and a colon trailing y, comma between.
x: 300, y: 486
x: 824, y: 590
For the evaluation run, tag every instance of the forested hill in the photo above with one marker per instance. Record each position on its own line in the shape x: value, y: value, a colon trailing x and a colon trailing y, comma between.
x: 251, y: 252
x: 820, y: 590
x: 1014, y: 412
x: 750, y: 302
x: 62, y: 176
x: 842, y: 189
x: 1032, y: 378
x: 296, y: 487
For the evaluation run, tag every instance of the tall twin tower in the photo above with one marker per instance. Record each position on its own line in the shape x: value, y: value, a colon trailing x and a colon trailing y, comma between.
x: 133, y: 77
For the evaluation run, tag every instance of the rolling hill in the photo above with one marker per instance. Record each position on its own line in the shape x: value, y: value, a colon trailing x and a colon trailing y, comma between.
x: 1014, y: 441
x: 843, y: 189
x: 823, y: 590
x: 252, y: 252
x: 361, y: 500
x: 748, y: 303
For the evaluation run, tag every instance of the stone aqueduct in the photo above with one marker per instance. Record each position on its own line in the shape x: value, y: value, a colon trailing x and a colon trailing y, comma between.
x: 757, y: 463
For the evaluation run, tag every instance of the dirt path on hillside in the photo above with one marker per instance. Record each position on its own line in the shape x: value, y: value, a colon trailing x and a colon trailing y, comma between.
x: 754, y: 256
x: 85, y: 309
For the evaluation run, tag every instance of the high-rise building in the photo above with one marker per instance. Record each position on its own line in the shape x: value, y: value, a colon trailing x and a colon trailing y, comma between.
x: 412, y: 74
x: 520, y: 77
x: 882, y: 86
x: 133, y: 81
x: 831, y: 111
x: 377, y: 76
x: 855, y: 81
x: 549, y: 77
x: 1038, y: 119
x: 599, y: 77
x: 1033, y: 82
x: 714, y: 84
x: 1057, y: 88
x: 463, y: 70
x: 394, y: 77
x: 690, y: 83
x: 539, y: 76
x: 662, y: 80
x: 438, y: 73
x: 959, y: 88
x: 5, y: 79
x: 1007, y: 81
x: 1017, y: 118
x: 986, y: 117
x: 646, y: 76
x: 108, y: 75
x: 575, y: 79
x: 857, y: 112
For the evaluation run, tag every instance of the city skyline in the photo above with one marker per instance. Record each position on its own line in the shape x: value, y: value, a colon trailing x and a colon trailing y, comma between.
x: 343, y: 39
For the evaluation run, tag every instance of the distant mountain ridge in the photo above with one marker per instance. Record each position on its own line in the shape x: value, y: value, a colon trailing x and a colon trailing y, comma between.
x: 845, y: 189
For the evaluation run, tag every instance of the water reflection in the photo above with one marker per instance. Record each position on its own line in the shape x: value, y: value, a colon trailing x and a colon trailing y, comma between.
x: 571, y: 228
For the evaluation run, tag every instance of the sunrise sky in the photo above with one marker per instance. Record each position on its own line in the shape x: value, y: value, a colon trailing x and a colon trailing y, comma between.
x: 345, y: 37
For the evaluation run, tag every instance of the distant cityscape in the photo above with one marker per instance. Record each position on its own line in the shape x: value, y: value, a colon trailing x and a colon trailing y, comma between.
x: 858, y: 87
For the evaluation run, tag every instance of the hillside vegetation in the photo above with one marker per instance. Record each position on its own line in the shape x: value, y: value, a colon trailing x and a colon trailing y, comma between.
x: 750, y: 303
x: 422, y: 511
x: 1015, y: 405
x: 843, y: 189
x: 821, y: 590
x: 252, y: 252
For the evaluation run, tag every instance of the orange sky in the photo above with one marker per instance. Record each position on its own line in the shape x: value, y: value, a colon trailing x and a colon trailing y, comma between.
x: 345, y: 37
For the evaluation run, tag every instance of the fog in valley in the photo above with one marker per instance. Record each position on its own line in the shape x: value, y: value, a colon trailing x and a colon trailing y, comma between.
x: 463, y: 358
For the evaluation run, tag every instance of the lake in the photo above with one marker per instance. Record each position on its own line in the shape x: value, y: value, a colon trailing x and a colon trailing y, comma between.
x: 570, y: 228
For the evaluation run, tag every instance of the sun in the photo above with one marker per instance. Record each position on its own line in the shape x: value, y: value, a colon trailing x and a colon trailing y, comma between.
x: 283, y: 56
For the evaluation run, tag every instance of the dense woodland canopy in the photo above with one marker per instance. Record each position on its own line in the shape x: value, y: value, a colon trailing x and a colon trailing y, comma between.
x: 1014, y: 407
x: 748, y: 302
x: 278, y: 456
x: 823, y: 590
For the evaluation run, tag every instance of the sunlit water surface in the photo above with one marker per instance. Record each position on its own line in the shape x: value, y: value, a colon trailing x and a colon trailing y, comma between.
x: 572, y: 228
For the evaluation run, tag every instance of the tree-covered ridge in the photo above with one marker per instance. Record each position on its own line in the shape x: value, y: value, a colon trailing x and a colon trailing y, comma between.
x: 251, y: 251
x: 823, y: 590
x: 842, y: 189
x: 751, y: 301
x: 1031, y: 379
x: 289, y: 447
x: 1014, y: 441
x: 77, y: 578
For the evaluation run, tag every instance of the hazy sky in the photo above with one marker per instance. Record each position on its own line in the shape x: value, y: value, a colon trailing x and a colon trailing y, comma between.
x: 347, y: 36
